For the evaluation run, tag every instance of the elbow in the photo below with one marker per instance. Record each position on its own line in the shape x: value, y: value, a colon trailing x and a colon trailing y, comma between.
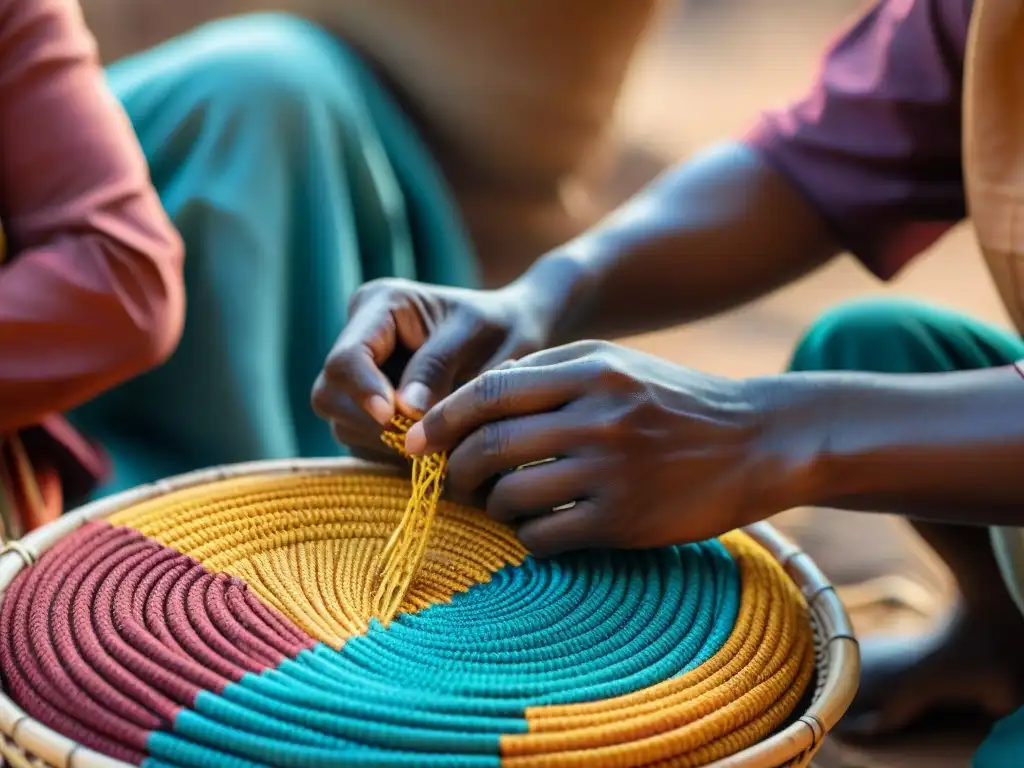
x: 161, y: 338
x: 155, y: 316
x: 161, y: 334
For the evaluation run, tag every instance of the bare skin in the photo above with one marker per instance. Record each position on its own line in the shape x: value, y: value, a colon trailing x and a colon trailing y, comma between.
x: 709, y: 236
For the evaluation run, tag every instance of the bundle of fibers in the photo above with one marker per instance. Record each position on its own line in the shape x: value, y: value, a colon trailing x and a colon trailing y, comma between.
x: 235, y: 624
x: 403, y: 554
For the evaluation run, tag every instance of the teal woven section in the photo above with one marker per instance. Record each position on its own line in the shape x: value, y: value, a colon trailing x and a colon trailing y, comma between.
x: 441, y: 687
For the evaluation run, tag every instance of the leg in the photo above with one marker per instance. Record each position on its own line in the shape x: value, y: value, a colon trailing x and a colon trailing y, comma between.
x: 292, y: 179
x: 971, y: 658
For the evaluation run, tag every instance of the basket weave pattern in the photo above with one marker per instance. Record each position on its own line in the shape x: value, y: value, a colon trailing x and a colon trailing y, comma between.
x: 275, y: 527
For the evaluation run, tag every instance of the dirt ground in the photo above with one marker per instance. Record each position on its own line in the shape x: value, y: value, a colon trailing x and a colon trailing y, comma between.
x: 706, y: 71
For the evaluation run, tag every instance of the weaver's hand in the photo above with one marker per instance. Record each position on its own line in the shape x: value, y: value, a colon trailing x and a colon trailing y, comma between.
x: 647, y: 453
x: 407, y: 345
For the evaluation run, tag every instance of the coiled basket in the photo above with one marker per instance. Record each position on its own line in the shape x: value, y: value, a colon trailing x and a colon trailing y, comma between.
x: 220, y: 620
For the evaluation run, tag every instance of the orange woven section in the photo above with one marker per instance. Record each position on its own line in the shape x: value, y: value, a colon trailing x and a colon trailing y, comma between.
x: 737, y: 698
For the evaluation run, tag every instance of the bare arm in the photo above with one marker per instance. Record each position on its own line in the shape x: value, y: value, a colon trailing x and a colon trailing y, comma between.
x: 867, y: 161
x: 708, y: 236
x: 946, y: 447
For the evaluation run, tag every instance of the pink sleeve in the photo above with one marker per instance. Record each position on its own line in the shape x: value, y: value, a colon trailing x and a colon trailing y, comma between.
x: 91, y: 293
x: 875, y: 144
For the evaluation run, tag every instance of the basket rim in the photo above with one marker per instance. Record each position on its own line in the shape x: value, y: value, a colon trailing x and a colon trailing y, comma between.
x: 797, y: 742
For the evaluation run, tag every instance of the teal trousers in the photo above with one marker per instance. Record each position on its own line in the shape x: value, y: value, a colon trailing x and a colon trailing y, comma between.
x: 907, y: 337
x: 900, y: 336
x: 293, y: 178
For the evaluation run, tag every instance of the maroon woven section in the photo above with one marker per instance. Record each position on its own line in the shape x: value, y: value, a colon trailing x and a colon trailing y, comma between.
x: 110, y: 634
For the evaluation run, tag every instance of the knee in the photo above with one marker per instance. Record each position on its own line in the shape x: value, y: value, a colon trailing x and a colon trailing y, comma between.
x: 873, y: 335
x: 270, y: 65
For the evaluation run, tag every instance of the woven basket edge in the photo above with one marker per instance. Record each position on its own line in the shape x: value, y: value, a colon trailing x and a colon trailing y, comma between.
x: 797, y: 744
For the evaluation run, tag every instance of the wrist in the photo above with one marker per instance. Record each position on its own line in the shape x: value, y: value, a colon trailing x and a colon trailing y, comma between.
x: 859, y: 440
x: 558, y: 291
x: 795, y: 415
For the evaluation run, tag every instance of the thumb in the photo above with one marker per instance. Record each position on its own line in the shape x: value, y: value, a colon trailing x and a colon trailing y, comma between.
x: 433, y: 369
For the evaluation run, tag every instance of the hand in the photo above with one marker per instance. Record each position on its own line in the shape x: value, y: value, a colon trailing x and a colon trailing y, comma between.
x: 647, y: 453
x: 424, y: 339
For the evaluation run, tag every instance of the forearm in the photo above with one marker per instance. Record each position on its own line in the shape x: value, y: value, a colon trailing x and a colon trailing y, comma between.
x: 716, y: 232
x: 944, y: 447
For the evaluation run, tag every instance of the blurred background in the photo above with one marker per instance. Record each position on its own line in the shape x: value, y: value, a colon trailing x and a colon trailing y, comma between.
x: 703, y: 73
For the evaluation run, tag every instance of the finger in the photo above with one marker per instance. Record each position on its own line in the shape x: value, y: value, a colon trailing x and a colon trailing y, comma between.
x: 383, y: 456
x: 539, y: 489
x: 353, y: 365
x: 457, y: 346
x: 337, y: 407
x: 507, y: 355
x: 331, y: 403
x: 579, y: 527
x: 363, y: 443
x: 355, y: 434
x: 562, y: 354
x: 502, y: 366
x: 506, y: 444
x: 492, y: 396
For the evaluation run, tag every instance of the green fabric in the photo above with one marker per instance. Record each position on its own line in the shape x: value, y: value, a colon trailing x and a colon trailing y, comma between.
x: 901, y: 336
x: 1004, y: 746
x: 907, y: 337
x: 293, y: 178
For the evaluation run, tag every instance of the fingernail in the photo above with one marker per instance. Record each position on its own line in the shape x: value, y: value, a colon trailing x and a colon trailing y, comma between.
x: 417, y: 397
x: 380, y: 409
x: 416, y: 440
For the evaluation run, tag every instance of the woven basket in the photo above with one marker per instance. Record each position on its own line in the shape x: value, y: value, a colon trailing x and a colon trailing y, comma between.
x: 27, y: 742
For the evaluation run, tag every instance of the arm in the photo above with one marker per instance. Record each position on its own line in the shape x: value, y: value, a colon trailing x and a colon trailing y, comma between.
x: 91, y: 293
x: 868, y: 161
x: 948, y: 447
x: 721, y: 230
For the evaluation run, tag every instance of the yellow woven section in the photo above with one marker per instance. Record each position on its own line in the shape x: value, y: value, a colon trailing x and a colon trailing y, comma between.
x: 404, y: 552
x: 734, y: 700
x: 309, y: 544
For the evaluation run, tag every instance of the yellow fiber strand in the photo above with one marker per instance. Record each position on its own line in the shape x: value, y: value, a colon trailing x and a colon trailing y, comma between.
x: 404, y: 552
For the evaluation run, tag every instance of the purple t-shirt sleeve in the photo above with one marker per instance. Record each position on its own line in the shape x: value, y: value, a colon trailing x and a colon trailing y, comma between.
x: 875, y: 144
